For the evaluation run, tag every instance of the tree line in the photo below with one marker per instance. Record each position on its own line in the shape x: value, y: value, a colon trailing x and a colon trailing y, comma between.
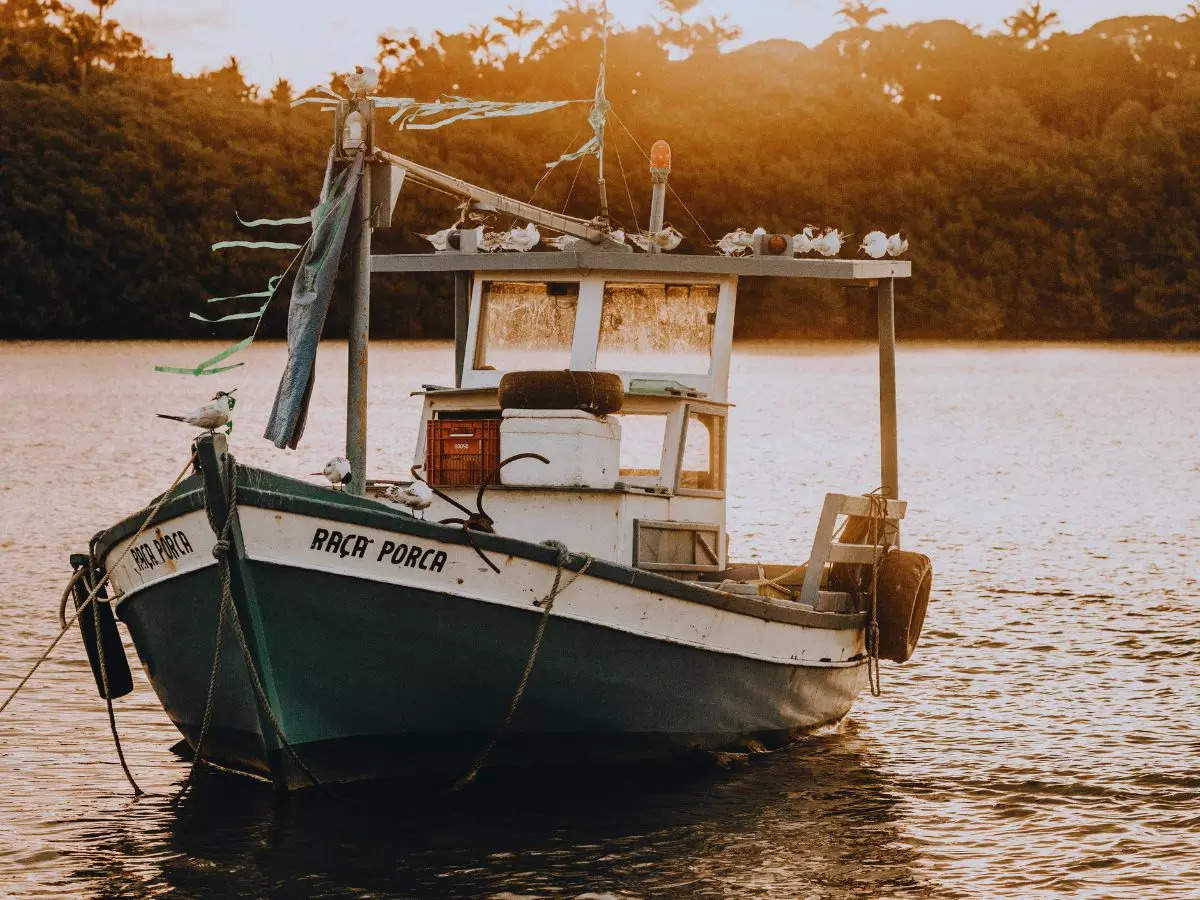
x: 1049, y: 182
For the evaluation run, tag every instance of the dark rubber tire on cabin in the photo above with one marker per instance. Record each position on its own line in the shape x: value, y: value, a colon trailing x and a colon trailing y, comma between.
x: 902, y: 596
x: 598, y: 393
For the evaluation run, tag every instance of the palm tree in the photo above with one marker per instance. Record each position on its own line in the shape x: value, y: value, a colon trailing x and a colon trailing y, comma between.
x: 1192, y: 12
x: 678, y: 9
x: 518, y: 25
x: 482, y: 39
x: 860, y: 12
x: 575, y: 22
x: 1028, y: 24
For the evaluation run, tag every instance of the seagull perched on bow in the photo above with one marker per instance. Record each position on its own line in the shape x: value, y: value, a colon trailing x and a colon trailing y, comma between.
x: 521, y: 239
x: 211, y: 415
x: 897, y: 244
x: 337, y: 470
x: 875, y: 244
x: 417, y: 496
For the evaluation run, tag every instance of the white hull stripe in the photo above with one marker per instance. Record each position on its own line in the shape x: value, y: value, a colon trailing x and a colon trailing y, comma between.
x: 324, y: 545
x: 179, y: 545
x: 183, y: 545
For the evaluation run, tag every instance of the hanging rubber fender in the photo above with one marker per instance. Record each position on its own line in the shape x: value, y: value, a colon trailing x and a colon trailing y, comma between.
x: 902, y: 596
x: 598, y: 393
x: 116, y: 666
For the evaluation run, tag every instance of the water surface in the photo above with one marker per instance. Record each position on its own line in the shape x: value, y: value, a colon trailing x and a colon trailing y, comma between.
x: 1044, y: 740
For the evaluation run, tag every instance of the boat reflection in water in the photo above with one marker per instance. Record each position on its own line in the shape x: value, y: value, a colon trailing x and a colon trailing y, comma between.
x: 819, y: 818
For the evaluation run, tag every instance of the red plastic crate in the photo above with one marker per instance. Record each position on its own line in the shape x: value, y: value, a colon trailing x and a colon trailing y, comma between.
x: 461, y: 452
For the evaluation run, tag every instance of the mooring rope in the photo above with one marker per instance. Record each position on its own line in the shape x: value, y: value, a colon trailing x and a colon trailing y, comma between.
x: 878, y: 534
x: 221, y: 550
x: 546, y: 604
x: 91, y: 598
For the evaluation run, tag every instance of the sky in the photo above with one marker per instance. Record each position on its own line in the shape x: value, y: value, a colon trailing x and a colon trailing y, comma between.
x: 304, y: 40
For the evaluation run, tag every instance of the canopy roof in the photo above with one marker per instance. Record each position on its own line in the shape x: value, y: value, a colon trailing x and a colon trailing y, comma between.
x: 584, y: 261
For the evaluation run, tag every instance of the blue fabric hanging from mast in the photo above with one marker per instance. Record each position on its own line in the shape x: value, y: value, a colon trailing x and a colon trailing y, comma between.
x: 312, y: 291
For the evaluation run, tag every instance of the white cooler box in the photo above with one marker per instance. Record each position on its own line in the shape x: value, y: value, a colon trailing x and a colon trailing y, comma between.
x: 584, y: 450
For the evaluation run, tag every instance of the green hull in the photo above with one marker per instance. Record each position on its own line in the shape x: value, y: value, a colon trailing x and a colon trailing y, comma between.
x: 371, y: 680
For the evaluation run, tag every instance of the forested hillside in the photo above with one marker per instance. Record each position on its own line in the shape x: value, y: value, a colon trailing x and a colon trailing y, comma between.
x: 1049, y: 182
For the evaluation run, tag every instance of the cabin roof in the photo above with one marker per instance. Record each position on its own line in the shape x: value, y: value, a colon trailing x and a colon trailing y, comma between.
x: 587, y: 261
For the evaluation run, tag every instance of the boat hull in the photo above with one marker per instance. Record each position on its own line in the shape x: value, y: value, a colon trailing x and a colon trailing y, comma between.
x: 374, y: 680
x: 374, y: 668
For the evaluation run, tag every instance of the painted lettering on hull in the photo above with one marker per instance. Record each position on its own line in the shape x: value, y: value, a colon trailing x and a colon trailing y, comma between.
x: 412, y: 556
x: 163, y: 550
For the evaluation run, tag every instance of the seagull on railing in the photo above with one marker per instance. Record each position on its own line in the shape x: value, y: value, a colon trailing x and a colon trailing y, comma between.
x: 736, y: 243
x: 897, y: 244
x: 210, y: 416
x: 802, y: 241
x: 875, y: 245
x: 337, y: 470
x: 491, y: 241
x: 666, y: 239
x: 830, y: 242
x: 440, y: 239
x: 521, y: 239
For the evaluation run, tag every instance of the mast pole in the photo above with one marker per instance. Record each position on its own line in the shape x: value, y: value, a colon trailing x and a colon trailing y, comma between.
x: 889, y: 458
x: 360, y: 325
x: 600, y: 110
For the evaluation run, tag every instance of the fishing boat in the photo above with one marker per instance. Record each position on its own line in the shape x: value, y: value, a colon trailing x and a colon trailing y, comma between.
x: 567, y: 595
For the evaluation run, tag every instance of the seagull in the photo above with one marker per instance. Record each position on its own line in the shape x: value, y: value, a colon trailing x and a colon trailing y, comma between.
x: 492, y: 241
x: 897, y: 244
x: 875, y: 245
x: 211, y: 415
x: 562, y: 241
x: 337, y: 470
x: 666, y: 239
x: 521, y: 239
x: 417, y: 496
x: 736, y: 243
x: 829, y: 243
x: 440, y: 239
x: 802, y: 242
x: 363, y: 80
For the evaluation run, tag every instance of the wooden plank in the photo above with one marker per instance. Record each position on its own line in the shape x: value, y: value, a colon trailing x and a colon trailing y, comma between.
x: 861, y: 554
x: 820, y: 549
x: 585, y: 261
x: 860, y: 506
x: 834, y: 601
x: 493, y: 200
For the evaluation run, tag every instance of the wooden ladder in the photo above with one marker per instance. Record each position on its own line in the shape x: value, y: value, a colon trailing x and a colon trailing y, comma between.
x: 826, y: 550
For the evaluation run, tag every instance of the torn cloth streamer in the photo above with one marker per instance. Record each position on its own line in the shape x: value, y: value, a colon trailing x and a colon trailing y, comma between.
x: 421, y: 116
x: 312, y: 291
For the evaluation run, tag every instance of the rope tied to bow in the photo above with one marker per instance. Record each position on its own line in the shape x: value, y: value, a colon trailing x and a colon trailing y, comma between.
x: 546, y: 604
x: 226, y: 608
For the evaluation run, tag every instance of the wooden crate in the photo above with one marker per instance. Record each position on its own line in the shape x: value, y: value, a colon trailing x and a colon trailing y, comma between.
x: 461, y: 452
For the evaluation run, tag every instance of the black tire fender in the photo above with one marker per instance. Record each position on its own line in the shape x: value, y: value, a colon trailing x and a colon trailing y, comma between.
x: 902, y: 595
x: 598, y: 393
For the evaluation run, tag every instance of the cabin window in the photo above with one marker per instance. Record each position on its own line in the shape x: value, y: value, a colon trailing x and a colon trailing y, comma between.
x: 642, y: 437
x: 649, y: 327
x: 702, y: 461
x: 526, y: 325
